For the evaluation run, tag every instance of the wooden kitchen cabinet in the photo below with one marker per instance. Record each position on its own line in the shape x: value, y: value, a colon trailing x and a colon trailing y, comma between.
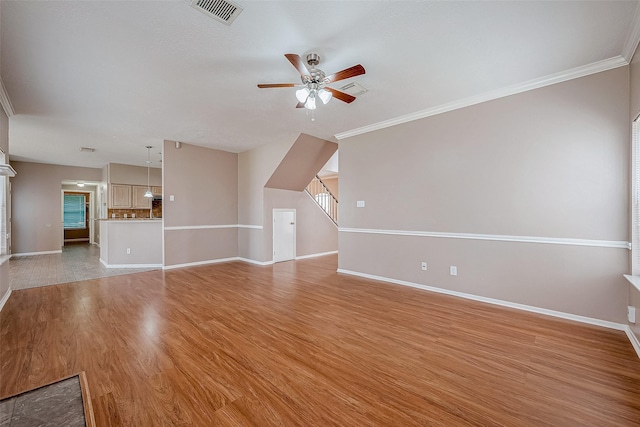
x: 119, y: 196
x: 157, y: 191
x: 138, y: 200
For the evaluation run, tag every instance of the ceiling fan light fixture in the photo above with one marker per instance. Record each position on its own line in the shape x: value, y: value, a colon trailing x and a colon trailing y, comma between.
x: 324, y: 95
x: 311, y: 102
x: 302, y: 94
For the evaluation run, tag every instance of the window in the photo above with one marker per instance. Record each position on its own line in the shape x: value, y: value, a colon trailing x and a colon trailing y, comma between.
x: 74, y: 211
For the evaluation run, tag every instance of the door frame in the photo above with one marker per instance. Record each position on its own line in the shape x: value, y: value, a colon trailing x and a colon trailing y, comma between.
x: 92, y: 197
x: 273, y: 233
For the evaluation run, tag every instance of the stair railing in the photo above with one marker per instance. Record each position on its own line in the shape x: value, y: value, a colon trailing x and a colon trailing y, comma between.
x: 324, y: 198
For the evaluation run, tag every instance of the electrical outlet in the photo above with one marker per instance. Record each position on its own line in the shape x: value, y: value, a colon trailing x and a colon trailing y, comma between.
x: 631, y: 314
x: 424, y: 266
x: 128, y: 251
x: 453, y: 270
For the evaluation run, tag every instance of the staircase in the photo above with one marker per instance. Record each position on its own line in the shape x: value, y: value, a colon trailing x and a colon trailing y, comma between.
x: 324, y: 198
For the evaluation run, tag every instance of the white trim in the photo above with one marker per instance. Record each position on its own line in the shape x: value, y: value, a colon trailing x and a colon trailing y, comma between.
x: 497, y: 237
x: 252, y: 261
x: 257, y: 227
x: 200, y: 227
x: 130, y: 265
x: 4, y: 258
x: 574, y: 73
x: 5, y: 298
x: 634, y: 340
x: 633, y: 36
x: 553, y: 313
x: 316, y: 255
x: 194, y: 264
x: 5, y: 101
x: 634, y: 280
x: 38, y: 253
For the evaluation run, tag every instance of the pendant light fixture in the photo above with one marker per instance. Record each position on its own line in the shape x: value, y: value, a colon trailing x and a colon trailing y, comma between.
x: 148, y: 193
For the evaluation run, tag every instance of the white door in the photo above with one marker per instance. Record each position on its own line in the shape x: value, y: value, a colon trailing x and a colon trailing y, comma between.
x: 284, y: 234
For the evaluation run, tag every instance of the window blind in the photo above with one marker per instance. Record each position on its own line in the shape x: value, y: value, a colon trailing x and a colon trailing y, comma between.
x: 74, y: 211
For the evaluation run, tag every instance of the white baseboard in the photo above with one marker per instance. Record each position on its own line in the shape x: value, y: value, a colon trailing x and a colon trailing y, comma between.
x: 38, y: 253
x: 130, y: 265
x: 253, y: 261
x: 193, y: 264
x: 316, y: 255
x: 5, y: 298
x: 634, y: 340
x: 553, y: 313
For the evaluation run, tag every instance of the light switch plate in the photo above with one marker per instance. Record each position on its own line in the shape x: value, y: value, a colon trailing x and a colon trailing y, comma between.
x: 360, y: 204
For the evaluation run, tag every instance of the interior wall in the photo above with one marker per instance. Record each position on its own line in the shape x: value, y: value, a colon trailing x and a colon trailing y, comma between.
x: 133, y: 175
x: 37, y: 205
x: 315, y: 232
x: 201, y: 222
x: 332, y: 185
x: 634, y: 78
x: 255, y: 167
x: 552, y: 163
x: 4, y: 145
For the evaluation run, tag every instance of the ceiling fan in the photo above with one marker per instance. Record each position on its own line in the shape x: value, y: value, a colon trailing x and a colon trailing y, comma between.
x: 314, y: 82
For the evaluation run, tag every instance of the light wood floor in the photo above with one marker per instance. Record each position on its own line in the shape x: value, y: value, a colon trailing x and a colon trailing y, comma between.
x: 296, y: 344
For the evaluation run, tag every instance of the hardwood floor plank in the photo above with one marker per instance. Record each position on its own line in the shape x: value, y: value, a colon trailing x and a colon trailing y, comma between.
x: 298, y: 344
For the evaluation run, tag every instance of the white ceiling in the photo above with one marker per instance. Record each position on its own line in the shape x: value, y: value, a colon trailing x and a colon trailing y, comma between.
x: 120, y: 75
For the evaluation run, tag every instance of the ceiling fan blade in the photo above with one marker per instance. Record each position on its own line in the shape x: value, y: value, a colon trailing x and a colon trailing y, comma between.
x: 342, y: 96
x: 356, y: 70
x: 268, y: 85
x: 300, y: 105
x: 298, y: 63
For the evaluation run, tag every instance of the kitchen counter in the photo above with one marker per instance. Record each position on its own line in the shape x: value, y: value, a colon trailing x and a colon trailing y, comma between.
x: 131, y: 242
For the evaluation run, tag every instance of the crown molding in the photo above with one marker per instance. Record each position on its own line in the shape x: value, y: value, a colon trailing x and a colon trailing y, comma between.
x: 574, y: 73
x: 633, y: 36
x: 5, y: 101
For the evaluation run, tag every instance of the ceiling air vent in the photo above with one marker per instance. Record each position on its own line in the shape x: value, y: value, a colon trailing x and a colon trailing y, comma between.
x: 87, y: 149
x: 354, y: 88
x: 220, y: 10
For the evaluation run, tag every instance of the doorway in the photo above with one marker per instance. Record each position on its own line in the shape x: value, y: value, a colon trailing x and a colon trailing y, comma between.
x: 284, y: 235
x: 76, y: 217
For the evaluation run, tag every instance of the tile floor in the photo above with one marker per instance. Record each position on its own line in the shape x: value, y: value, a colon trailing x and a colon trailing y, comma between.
x: 58, y: 404
x: 76, y: 262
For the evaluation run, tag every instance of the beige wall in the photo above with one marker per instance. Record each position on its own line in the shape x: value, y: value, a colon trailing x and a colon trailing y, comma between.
x: 315, y: 232
x: 134, y: 175
x: 36, y: 204
x: 634, y: 78
x: 255, y: 167
x: 301, y: 163
x: 332, y: 185
x: 283, y: 164
x: 143, y: 238
x: 204, y: 184
x: 551, y: 162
